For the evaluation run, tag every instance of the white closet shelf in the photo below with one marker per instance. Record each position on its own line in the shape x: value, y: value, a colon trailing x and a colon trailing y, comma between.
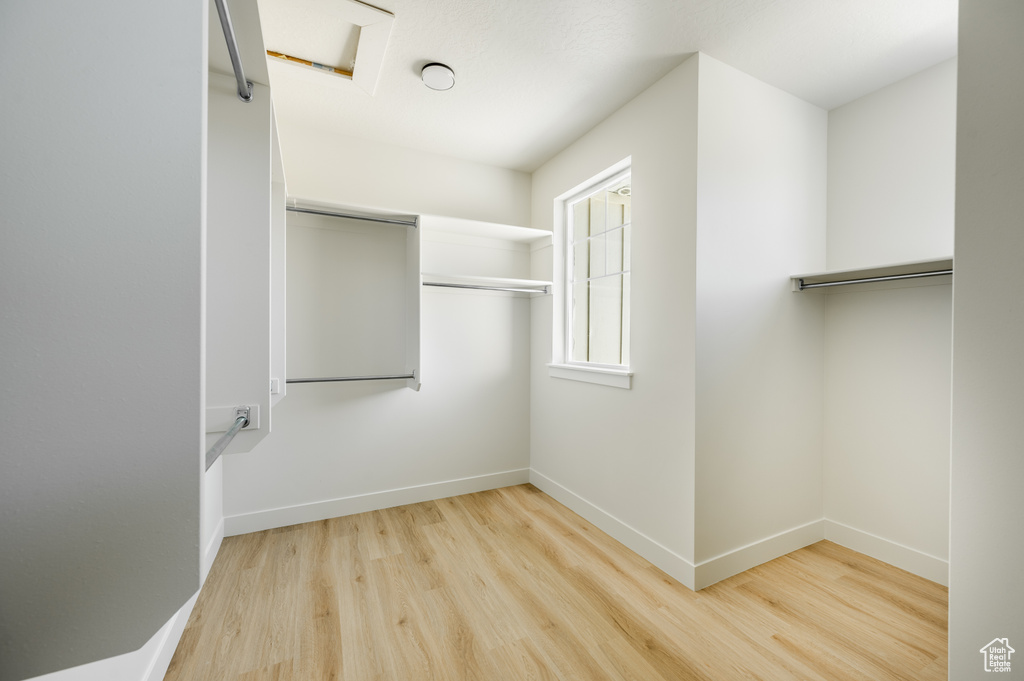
x: 484, y: 230
x: 897, y: 275
x: 304, y: 205
x: 485, y: 283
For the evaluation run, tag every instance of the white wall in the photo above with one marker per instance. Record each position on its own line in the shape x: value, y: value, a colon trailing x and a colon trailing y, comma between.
x: 887, y: 391
x: 101, y: 267
x: 624, y: 458
x: 705, y: 454
x: 890, y: 193
x: 769, y: 441
x: 346, y: 297
x: 986, y: 597
x: 323, y: 166
x: 343, y: 448
x: 238, y: 259
x: 278, y: 271
x: 760, y: 218
x: 891, y: 172
x: 238, y: 287
x: 779, y: 463
x: 448, y: 252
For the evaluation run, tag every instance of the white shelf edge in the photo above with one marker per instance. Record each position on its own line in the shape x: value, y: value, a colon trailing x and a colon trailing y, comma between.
x: 483, y: 281
x: 292, y: 201
x: 486, y: 230
x: 894, y: 269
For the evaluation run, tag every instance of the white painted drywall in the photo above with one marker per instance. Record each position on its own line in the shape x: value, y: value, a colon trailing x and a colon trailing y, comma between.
x: 340, y: 441
x: 238, y: 286
x: 890, y: 193
x: 986, y: 598
x: 760, y: 217
x: 347, y: 295
x: 238, y: 258
x: 472, y: 256
x: 211, y: 514
x: 624, y: 458
x: 278, y: 271
x: 346, y: 447
x: 706, y: 453
x: 101, y: 409
x: 891, y: 172
x: 887, y: 389
x: 349, y: 171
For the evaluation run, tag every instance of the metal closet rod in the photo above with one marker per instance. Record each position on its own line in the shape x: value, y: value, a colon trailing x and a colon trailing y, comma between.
x: 543, y: 289
x: 352, y: 216
x: 866, y: 280
x: 241, y: 421
x: 244, y: 86
x: 339, y: 379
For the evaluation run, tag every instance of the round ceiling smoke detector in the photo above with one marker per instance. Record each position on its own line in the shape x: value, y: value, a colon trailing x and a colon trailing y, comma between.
x: 437, y: 76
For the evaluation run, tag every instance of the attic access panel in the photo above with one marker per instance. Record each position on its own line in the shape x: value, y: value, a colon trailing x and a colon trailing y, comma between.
x: 329, y: 38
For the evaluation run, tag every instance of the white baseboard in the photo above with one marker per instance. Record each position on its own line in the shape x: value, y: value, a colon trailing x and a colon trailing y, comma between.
x: 210, y: 552
x: 734, y: 562
x: 696, y: 577
x: 887, y: 551
x: 148, y: 663
x: 693, y: 576
x: 742, y: 559
x: 665, y: 559
x: 172, y: 635
x: 257, y: 521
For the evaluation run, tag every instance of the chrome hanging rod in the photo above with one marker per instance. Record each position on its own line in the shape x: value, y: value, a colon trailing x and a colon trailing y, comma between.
x: 352, y: 216
x: 543, y: 289
x: 339, y: 379
x: 241, y: 421
x: 867, y: 280
x: 244, y: 86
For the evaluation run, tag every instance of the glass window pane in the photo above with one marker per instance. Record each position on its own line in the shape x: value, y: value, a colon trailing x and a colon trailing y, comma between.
x: 616, y: 209
x: 579, y: 333
x: 580, y: 220
x: 606, y: 320
x: 598, y: 256
x: 625, y: 319
x: 598, y: 281
x: 626, y: 248
x: 598, y: 214
x: 613, y: 251
x: 581, y: 260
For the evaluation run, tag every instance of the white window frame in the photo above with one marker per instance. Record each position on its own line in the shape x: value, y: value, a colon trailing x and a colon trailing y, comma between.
x: 563, y: 366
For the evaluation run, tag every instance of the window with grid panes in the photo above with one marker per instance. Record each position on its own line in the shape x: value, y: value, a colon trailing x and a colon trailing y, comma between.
x: 597, y: 274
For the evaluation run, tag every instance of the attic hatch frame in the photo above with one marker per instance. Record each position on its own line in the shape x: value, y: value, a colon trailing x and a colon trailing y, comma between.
x: 374, y: 32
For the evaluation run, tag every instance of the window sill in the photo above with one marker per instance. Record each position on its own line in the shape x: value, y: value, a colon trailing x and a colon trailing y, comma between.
x: 615, y: 378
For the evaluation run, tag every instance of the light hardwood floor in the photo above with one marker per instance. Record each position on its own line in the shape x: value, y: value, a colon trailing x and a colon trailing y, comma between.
x: 508, y: 585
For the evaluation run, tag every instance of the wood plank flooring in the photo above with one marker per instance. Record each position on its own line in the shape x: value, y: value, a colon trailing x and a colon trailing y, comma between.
x: 509, y: 585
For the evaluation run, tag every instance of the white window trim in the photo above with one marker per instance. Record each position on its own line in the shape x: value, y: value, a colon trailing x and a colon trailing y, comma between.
x: 617, y: 376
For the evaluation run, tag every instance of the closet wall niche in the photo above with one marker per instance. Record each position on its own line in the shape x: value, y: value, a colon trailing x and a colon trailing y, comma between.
x: 353, y: 295
x: 354, y: 284
x: 888, y: 322
x: 473, y: 255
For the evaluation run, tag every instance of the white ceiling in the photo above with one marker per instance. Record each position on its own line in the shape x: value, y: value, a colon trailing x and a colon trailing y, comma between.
x: 534, y: 75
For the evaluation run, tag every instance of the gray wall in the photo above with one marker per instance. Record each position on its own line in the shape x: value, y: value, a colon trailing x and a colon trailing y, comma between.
x: 101, y: 176
x: 987, y: 491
